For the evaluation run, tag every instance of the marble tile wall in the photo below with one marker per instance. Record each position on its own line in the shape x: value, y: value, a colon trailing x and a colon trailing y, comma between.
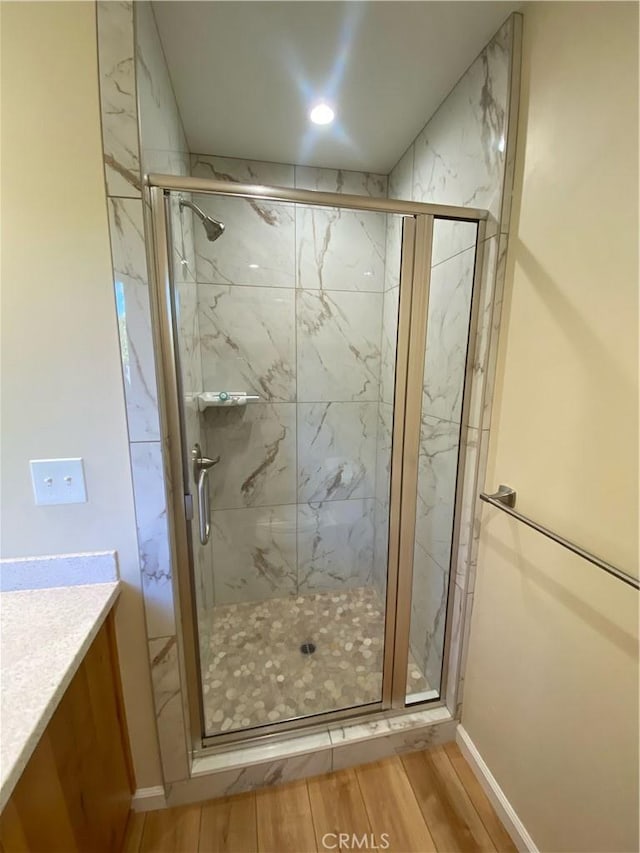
x: 116, y: 66
x: 164, y: 149
x: 142, y: 132
x: 167, y: 694
x: 462, y: 156
x: 290, y: 309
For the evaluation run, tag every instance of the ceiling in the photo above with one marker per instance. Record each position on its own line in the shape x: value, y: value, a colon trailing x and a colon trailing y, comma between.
x: 245, y: 74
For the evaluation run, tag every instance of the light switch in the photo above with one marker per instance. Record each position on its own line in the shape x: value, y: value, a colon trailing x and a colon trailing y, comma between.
x: 58, y: 481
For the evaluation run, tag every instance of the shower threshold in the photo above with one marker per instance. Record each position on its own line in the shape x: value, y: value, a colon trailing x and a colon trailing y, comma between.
x: 256, y: 673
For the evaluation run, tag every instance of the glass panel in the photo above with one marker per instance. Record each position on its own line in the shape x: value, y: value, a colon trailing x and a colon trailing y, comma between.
x: 454, y: 246
x: 295, y: 307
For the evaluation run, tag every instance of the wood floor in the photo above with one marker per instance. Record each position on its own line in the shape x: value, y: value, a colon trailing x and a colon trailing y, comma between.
x: 422, y: 801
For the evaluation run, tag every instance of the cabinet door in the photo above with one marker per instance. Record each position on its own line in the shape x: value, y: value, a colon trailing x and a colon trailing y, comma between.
x: 75, y: 792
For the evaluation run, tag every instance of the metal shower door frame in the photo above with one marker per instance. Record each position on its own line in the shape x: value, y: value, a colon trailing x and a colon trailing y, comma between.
x: 415, y: 277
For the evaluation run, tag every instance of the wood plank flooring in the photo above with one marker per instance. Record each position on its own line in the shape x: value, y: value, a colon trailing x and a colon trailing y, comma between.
x: 420, y: 802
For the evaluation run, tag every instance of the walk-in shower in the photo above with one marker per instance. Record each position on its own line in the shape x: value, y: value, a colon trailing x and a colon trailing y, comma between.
x: 314, y: 407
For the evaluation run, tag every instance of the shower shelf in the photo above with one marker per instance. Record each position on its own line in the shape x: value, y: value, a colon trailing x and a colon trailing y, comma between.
x: 209, y: 399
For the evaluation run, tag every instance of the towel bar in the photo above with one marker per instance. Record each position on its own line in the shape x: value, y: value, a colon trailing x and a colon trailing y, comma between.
x: 505, y: 499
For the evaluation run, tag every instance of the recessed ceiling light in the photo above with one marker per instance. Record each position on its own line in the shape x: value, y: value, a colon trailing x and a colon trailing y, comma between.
x: 254, y: 266
x: 322, y: 114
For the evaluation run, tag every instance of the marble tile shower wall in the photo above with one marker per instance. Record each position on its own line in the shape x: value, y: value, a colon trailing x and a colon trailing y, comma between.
x: 142, y: 132
x: 464, y: 156
x: 290, y: 309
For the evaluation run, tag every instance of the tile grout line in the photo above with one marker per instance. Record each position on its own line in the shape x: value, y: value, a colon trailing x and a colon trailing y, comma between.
x: 318, y: 503
x: 293, y: 288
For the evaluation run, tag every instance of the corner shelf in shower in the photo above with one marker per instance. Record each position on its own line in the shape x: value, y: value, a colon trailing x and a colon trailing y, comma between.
x: 210, y: 399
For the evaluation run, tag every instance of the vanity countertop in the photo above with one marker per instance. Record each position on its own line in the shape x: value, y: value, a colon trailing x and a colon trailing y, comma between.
x: 44, y: 635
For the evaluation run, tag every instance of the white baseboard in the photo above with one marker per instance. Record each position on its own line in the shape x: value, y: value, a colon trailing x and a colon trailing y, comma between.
x: 505, y: 811
x: 149, y: 799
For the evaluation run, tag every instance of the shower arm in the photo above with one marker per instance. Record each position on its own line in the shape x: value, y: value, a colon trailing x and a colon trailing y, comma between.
x: 194, y: 207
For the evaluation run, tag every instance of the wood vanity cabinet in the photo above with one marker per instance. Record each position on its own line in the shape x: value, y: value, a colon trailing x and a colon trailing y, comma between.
x: 75, y: 792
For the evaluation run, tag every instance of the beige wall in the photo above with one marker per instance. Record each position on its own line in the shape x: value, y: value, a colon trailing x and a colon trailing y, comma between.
x: 551, y: 694
x: 62, y: 390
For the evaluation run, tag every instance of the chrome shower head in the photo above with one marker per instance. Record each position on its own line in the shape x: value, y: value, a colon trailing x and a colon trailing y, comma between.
x: 212, y: 227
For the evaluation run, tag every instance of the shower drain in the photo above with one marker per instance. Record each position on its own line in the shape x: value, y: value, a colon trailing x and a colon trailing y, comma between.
x: 308, y: 648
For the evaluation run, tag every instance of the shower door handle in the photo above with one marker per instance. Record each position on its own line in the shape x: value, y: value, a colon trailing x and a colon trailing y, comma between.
x: 201, y: 466
x: 204, y: 511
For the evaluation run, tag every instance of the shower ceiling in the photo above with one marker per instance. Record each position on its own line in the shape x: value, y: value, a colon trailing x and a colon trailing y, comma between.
x: 245, y: 74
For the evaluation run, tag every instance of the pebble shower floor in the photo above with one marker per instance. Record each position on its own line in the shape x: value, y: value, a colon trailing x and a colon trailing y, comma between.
x: 255, y: 672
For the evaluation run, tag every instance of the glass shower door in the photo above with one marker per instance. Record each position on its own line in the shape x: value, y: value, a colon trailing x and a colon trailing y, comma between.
x: 286, y: 326
x: 443, y: 358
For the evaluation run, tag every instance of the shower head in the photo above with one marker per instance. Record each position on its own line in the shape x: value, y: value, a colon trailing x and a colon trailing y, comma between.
x: 212, y: 227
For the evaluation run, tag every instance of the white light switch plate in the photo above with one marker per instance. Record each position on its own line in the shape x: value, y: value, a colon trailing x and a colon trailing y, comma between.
x: 58, y: 481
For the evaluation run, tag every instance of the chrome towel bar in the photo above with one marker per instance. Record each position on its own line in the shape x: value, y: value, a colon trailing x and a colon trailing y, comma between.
x: 505, y: 499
